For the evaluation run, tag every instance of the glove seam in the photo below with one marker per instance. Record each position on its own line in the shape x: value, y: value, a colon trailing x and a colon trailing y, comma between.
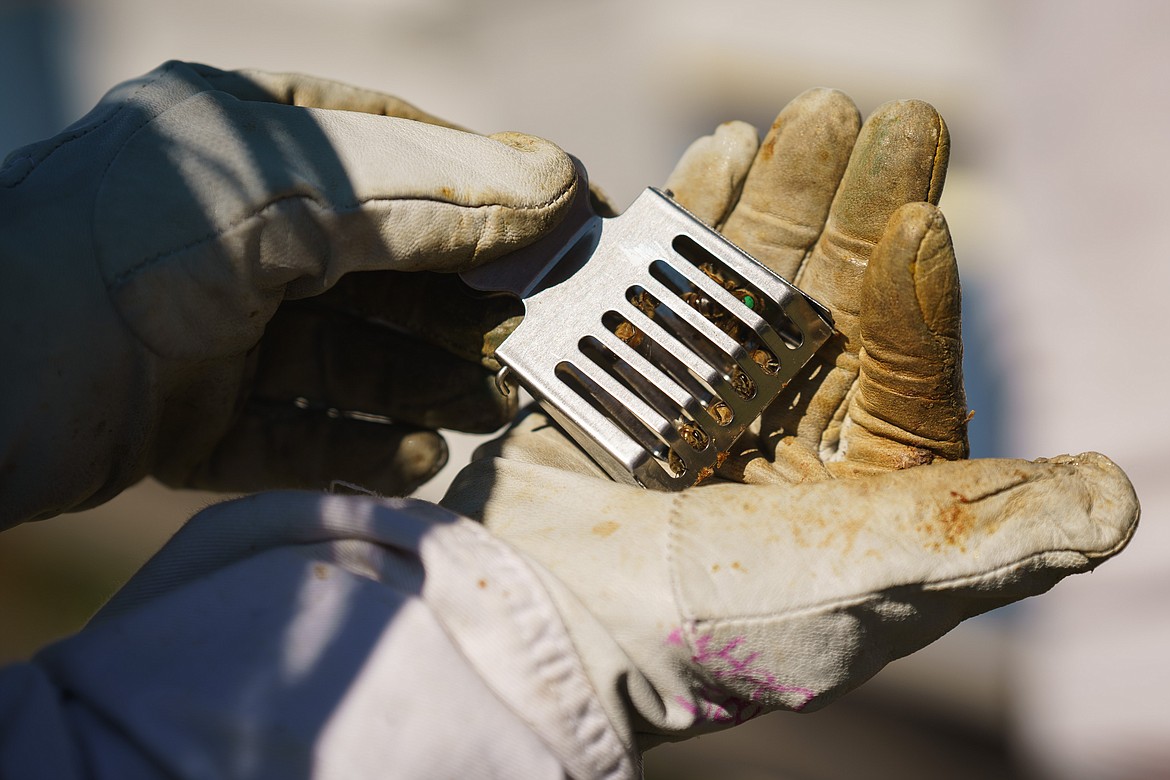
x: 686, y: 617
x: 61, y: 141
x: 298, y: 79
x: 936, y: 337
x: 937, y: 172
x: 692, y: 627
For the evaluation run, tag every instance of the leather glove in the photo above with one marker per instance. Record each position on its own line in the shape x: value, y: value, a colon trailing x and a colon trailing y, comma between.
x: 863, y: 536
x: 172, y: 302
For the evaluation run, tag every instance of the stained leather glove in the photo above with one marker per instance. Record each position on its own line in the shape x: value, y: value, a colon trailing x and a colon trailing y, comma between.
x: 865, y: 536
x: 172, y: 302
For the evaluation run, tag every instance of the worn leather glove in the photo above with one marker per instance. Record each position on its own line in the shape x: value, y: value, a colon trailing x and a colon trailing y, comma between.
x: 863, y: 536
x: 172, y: 303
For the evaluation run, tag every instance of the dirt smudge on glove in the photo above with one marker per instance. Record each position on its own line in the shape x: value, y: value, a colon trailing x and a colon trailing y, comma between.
x: 606, y: 528
x: 951, y: 526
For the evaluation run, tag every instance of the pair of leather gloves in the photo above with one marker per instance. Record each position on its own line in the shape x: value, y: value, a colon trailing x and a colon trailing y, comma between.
x: 240, y: 280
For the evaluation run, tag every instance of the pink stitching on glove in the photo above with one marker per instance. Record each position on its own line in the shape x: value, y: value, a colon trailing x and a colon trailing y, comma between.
x: 716, y: 705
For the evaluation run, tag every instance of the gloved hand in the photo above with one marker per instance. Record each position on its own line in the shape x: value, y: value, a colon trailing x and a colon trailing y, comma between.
x: 697, y: 610
x: 172, y: 302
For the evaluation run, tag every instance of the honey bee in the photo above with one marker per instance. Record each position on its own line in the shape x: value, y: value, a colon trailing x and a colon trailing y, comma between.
x: 765, y: 360
x: 745, y: 296
x: 714, y: 313
x: 644, y: 303
x: 629, y: 334
x: 693, y: 435
x: 721, y: 413
x: 742, y: 384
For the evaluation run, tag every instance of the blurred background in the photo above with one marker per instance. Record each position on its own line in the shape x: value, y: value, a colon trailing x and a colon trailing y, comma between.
x: 1056, y: 197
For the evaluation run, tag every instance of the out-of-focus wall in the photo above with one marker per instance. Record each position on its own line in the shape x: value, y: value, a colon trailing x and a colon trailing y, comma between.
x: 1054, y: 110
x: 623, y: 84
x: 1084, y: 162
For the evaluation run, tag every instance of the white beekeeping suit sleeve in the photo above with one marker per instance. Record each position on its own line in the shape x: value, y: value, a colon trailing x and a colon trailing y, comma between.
x: 294, y: 635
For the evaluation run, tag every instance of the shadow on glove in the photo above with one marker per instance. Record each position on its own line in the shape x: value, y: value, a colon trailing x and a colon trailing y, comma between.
x: 151, y: 246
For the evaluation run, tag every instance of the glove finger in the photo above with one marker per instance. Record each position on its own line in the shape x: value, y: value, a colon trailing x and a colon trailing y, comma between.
x: 315, y: 450
x: 909, y: 407
x: 263, y: 201
x: 709, y: 175
x: 777, y: 217
x: 786, y: 197
x: 322, y: 359
x: 295, y: 89
x: 897, y: 560
x: 900, y: 157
